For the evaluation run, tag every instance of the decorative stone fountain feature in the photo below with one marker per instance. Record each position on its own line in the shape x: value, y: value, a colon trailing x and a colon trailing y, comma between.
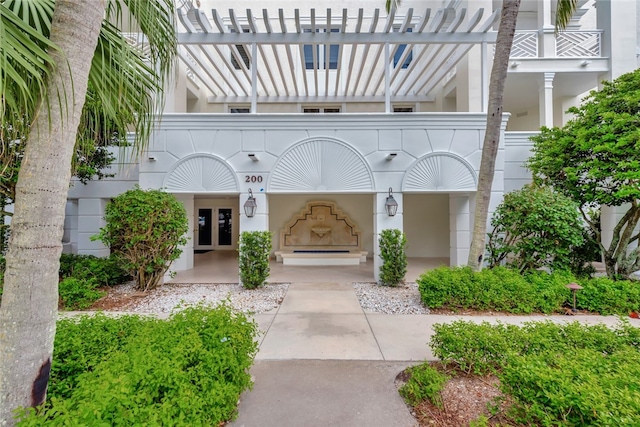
x: 320, y: 234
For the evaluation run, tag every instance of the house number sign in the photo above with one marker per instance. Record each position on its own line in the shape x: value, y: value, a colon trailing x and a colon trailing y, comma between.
x: 253, y: 178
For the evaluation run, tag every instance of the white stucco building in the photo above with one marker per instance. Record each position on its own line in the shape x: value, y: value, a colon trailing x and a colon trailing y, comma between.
x: 335, y: 101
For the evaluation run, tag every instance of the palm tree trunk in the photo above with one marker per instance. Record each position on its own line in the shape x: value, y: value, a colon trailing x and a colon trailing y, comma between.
x: 492, y: 134
x: 30, y: 300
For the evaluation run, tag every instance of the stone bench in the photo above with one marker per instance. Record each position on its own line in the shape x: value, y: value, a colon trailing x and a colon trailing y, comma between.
x: 321, y: 257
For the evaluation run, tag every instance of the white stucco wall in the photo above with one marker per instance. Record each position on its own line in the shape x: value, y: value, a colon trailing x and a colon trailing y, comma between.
x: 426, y: 225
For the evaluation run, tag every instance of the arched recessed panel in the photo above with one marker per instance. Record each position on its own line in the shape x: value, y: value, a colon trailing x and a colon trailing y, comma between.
x: 201, y: 173
x: 440, y: 172
x: 321, y: 165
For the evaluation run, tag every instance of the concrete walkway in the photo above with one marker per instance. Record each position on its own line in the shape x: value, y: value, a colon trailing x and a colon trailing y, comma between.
x: 323, y: 361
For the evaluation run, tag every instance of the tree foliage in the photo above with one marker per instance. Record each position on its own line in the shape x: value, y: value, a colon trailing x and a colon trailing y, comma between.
x: 144, y: 231
x: 595, y: 160
x: 536, y: 227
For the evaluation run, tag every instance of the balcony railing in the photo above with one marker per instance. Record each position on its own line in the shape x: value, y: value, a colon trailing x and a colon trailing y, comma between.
x: 569, y: 44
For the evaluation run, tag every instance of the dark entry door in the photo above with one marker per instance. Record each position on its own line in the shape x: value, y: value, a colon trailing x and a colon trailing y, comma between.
x: 225, y: 226
x: 204, y: 227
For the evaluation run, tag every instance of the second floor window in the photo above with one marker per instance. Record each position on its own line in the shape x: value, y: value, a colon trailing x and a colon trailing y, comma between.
x: 321, y: 60
x: 400, y: 52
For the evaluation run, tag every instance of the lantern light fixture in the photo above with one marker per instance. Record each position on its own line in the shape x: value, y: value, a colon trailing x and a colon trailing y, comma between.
x: 391, y: 205
x: 250, y: 205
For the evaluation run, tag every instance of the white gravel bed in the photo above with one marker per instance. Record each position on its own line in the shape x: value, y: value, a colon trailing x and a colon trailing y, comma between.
x: 169, y: 296
x: 402, y: 299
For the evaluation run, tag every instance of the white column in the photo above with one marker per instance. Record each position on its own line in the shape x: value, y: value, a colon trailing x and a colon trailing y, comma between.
x: 185, y: 261
x: 545, y: 102
x: 546, y: 39
x: 459, y: 228
x: 382, y: 221
x: 387, y: 86
x: 70, y: 236
x: 260, y: 221
x: 90, y: 220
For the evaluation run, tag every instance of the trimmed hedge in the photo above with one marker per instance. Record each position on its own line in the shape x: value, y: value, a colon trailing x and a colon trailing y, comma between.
x: 187, y: 371
x: 568, y: 374
x: 506, y: 290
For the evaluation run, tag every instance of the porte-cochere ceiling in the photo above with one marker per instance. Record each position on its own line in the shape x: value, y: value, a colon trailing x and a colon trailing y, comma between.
x: 327, y: 55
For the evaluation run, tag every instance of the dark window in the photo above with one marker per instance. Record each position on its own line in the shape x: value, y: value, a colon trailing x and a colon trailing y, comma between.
x: 321, y: 109
x: 320, y: 51
x: 239, y: 110
x: 400, y: 52
x: 242, y: 52
x: 403, y: 109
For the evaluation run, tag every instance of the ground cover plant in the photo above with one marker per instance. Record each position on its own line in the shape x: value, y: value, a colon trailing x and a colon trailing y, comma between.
x: 506, y: 290
x: 187, y: 371
x: 550, y: 374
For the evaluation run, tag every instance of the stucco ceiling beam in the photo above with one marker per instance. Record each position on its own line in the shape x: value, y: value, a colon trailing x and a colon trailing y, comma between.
x: 326, y: 56
x: 558, y: 65
x: 314, y: 52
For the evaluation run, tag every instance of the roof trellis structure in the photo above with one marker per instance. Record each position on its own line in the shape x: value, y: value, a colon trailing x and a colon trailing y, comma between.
x: 329, y: 57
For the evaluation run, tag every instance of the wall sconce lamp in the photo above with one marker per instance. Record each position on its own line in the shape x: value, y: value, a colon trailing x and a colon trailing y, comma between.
x: 152, y: 159
x: 391, y: 205
x: 585, y: 63
x: 253, y: 157
x: 250, y: 205
x: 391, y: 156
x: 515, y: 64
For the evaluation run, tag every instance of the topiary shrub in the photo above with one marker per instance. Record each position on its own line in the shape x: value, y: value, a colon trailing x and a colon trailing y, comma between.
x: 254, y: 250
x: 394, y: 258
x: 144, y: 231
x: 536, y: 227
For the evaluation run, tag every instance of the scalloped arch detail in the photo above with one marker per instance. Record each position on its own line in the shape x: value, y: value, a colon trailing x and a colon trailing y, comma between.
x: 201, y: 173
x: 321, y: 165
x: 440, y: 172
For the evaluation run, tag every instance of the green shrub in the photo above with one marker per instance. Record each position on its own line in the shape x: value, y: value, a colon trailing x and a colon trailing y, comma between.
x: 144, y: 231
x: 553, y: 374
x: 424, y: 383
x: 605, y: 296
x: 394, y: 258
x: 254, y: 250
x: 506, y: 290
x: 499, y: 289
x: 105, y: 271
x: 187, y: 371
x: 488, y: 348
x: 581, y: 388
x: 535, y: 227
x: 78, y: 294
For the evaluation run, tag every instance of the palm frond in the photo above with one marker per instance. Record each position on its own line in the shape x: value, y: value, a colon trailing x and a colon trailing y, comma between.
x: 564, y: 12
